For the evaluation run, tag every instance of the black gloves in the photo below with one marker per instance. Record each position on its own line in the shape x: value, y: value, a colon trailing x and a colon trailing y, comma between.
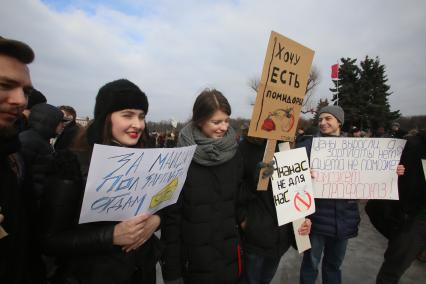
x: 268, y: 169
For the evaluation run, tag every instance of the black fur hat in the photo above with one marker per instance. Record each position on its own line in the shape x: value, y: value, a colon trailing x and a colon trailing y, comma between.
x: 35, y: 97
x: 114, y: 96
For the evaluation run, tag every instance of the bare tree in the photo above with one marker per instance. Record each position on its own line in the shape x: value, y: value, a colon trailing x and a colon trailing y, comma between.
x: 313, y: 81
x: 254, y: 83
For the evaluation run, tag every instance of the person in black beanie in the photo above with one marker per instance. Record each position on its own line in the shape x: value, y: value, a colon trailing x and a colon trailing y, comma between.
x: 114, y: 96
x: 335, y: 221
x: 100, y: 252
x: 35, y: 97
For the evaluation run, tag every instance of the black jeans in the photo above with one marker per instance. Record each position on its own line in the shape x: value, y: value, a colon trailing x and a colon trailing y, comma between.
x: 259, y: 269
x: 402, y: 250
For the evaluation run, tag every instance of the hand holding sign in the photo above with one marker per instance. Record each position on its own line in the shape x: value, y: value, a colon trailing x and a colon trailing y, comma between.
x: 3, y: 233
x: 400, y: 170
x: 150, y: 225
x: 130, y: 231
x: 305, y: 228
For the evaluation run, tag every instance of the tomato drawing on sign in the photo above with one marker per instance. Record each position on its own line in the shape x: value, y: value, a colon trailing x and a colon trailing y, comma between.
x: 284, y: 118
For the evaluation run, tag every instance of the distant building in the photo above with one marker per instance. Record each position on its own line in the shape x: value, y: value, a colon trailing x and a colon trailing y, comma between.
x: 82, y: 121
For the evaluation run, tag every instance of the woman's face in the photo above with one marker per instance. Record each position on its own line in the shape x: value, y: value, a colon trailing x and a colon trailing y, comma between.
x: 216, y: 126
x: 127, y: 126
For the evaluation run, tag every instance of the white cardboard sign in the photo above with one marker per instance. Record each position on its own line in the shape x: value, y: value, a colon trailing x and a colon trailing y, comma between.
x: 292, y: 186
x: 356, y: 168
x: 126, y: 182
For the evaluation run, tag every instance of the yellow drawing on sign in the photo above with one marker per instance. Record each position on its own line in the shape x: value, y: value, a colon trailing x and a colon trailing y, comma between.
x: 165, y: 194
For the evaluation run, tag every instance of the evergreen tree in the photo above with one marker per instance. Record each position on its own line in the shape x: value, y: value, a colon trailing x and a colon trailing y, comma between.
x: 375, y: 91
x: 363, y: 94
x: 346, y: 90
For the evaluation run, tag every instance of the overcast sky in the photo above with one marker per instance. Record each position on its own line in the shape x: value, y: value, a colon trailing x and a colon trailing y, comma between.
x: 174, y: 49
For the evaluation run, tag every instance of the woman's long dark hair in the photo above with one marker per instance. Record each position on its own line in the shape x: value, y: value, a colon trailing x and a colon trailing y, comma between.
x: 206, y: 104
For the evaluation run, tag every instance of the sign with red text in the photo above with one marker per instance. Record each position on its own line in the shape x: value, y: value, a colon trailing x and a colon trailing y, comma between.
x: 356, y: 168
x: 281, y: 89
x: 292, y: 186
x: 126, y: 182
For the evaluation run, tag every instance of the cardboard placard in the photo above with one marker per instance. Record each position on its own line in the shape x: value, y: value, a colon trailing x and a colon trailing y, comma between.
x: 281, y: 89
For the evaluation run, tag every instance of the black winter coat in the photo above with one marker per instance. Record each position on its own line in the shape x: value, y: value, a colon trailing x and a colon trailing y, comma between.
x: 36, y: 148
x: 66, y: 138
x: 19, y: 263
x: 338, y: 218
x: 37, y: 153
x: 389, y: 217
x: 262, y: 235
x: 85, y: 252
x: 412, y: 185
x: 200, y: 230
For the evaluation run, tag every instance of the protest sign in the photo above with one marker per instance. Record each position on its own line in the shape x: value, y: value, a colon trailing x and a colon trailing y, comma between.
x: 356, y: 168
x: 291, y: 186
x: 125, y: 182
x: 281, y: 89
x: 303, y: 242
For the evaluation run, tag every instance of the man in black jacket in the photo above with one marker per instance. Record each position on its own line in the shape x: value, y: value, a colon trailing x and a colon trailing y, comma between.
x: 44, y: 122
x: 410, y: 238
x: 15, y: 82
x: 263, y: 241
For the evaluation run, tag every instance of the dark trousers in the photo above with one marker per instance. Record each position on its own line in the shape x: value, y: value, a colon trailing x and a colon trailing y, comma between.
x: 259, y: 269
x: 402, y: 250
x: 334, y: 253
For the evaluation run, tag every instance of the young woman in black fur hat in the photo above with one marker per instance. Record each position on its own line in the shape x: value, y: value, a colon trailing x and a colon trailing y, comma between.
x: 100, y: 252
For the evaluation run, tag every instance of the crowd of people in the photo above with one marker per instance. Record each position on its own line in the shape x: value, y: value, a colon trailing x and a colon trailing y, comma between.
x: 221, y: 230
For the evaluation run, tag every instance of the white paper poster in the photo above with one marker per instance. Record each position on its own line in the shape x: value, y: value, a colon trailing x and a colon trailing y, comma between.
x: 292, y: 186
x: 125, y: 182
x: 356, y: 168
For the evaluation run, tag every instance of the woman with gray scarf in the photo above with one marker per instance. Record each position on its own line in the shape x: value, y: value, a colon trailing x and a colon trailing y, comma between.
x: 200, y: 230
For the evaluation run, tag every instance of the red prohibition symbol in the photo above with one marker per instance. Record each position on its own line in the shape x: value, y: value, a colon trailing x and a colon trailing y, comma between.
x: 302, y: 201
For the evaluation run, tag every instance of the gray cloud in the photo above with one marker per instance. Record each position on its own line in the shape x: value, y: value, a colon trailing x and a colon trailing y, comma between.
x: 174, y: 49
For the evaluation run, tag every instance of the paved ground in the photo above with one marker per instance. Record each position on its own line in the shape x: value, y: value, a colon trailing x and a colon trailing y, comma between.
x: 363, y: 259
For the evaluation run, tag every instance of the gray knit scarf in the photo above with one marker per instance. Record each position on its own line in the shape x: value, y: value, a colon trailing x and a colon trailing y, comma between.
x: 209, y: 151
